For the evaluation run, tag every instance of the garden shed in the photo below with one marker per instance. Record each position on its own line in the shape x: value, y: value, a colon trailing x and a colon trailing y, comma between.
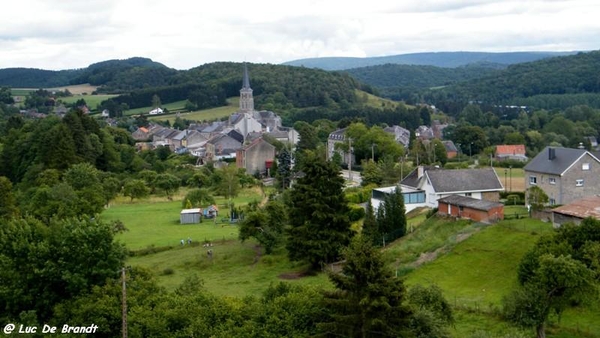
x: 190, y: 216
x: 471, y: 208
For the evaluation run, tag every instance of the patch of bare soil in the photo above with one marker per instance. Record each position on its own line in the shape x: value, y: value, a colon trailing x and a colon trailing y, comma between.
x: 293, y: 275
x: 430, y: 256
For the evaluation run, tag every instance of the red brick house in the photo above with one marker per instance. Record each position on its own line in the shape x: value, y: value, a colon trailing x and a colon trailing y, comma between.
x: 470, y: 208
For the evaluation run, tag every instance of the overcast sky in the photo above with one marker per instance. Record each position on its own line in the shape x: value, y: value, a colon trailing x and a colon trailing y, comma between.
x: 66, y: 34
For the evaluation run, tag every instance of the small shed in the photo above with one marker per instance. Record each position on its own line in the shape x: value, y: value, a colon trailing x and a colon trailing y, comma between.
x: 471, y: 208
x: 190, y: 216
x: 576, y: 211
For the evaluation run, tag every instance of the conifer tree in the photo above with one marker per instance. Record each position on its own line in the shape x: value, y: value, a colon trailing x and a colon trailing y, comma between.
x: 391, y: 218
x: 318, y: 213
x: 368, y: 301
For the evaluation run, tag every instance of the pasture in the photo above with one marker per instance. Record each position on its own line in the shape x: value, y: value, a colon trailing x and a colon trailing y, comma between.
x: 76, y: 90
x: 205, y: 114
x: 475, y: 265
x: 512, y: 179
x: 173, y: 106
x: 92, y: 101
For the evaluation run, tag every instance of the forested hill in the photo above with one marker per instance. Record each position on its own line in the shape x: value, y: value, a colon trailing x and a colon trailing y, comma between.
x: 36, y: 78
x: 275, y: 87
x: 113, y: 75
x: 564, y: 78
x: 117, y: 76
x: 439, y: 59
x: 395, y: 75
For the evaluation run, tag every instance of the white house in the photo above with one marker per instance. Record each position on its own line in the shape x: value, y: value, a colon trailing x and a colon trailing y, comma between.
x: 156, y: 111
x: 424, y: 186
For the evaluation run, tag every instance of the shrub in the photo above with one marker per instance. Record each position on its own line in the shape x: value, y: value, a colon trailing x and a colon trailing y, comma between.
x: 168, y: 271
x: 356, y: 213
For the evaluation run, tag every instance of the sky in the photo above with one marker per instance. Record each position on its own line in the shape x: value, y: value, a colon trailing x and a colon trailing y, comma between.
x: 182, y: 34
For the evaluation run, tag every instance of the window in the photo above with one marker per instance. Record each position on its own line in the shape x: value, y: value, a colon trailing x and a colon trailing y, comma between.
x: 552, y: 180
x: 585, y: 166
x: 552, y: 201
x: 579, y: 183
x: 532, y: 180
x: 468, y: 194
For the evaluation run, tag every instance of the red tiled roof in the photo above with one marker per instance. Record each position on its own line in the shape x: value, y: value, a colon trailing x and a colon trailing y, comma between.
x: 143, y: 129
x: 517, y: 149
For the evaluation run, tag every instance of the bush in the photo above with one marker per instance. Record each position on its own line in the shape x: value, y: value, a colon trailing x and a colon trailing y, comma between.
x: 456, y: 165
x: 356, y: 214
x: 168, y: 271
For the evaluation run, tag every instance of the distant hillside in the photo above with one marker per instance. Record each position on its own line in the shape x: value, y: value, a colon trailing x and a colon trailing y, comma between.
x: 124, y: 75
x: 114, y: 75
x: 36, y: 78
x: 569, y: 78
x: 439, y: 59
x: 395, y: 75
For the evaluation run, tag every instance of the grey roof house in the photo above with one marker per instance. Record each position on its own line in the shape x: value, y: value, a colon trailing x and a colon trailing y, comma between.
x: 427, y: 185
x: 565, y: 174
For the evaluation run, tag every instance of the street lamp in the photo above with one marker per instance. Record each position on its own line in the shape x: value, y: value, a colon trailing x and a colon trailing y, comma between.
x: 373, y: 145
x: 510, y: 171
x: 470, y: 151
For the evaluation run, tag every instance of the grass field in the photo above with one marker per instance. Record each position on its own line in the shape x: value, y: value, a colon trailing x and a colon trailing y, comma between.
x: 376, y: 101
x: 235, y: 268
x: 479, y: 271
x: 475, y: 265
x: 173, y: 106
x: 206, y: 114
x: 513, y: 179
x: 79, y: 89
x: 92, y: 101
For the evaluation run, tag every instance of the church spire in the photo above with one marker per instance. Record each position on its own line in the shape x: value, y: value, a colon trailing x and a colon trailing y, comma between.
x: 246, y: 99
x: 246, y: 81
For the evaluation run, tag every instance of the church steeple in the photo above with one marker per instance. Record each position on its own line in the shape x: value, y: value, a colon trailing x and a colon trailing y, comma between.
x: 246, y: 99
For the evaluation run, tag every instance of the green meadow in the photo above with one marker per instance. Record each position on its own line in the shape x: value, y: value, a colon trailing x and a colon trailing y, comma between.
x: 173, y: 106
x: 205, y: 114
x: 92, y: 101
x: 474, y: 264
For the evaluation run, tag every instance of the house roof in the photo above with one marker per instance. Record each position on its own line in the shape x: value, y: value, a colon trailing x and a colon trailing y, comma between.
x: 191, y: 211
x: 413, y: 180
x: 449, y: 145
x: 255, y: 142
x: 469, y: 202
x: 581, y: 208
x: 444, y: 181
x: 510, y: 149
x: 562, y: 160
x: 339, y: 134
x: 143, y: 129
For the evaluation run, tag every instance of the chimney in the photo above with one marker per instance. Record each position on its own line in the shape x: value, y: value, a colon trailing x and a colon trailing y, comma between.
x: 551, y: 154
x: 420, y: 171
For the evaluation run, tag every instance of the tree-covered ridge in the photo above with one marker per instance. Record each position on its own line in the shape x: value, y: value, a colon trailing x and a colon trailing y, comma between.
x: 557, y: 76
x: 274, y: 87
x: 395, y: 75
x: 36, y: 78
x: 122, y: 75
x: 438, y: 59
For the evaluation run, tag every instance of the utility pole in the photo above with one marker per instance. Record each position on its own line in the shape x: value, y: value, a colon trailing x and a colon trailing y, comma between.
x: 373, y: 152
x: 350, y: 159
x: 124, y: 300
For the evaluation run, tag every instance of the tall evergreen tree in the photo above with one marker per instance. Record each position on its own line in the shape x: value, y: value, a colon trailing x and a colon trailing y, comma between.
x: 368, y: 301
x: 369, y: 228
x: 391, y: 216
x: 318, y: 213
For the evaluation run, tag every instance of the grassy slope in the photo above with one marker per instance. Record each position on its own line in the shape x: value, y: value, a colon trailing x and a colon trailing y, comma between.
x: 378, y: 102
x: 478, y: 272
x: 206, y: 114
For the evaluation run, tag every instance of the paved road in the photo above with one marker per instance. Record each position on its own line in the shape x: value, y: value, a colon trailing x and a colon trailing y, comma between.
x: 356, y: 178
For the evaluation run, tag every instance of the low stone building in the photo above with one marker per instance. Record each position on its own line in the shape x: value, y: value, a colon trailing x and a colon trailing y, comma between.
x: 576, y: 211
